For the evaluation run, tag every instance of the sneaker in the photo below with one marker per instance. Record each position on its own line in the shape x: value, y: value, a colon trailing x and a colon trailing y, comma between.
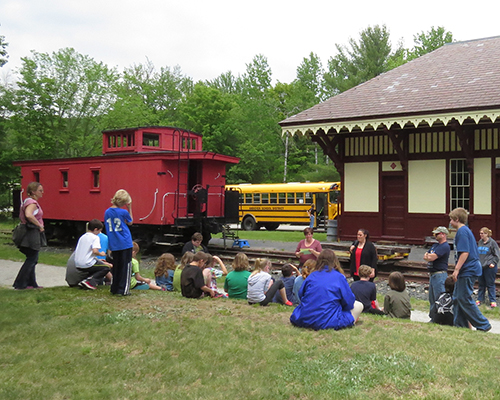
x: 288, y: 303
x: 478, y: 303
x: 493, y: 304
x: 87, y: 285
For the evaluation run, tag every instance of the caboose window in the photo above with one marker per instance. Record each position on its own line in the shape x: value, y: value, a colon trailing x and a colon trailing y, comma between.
x: 36, y: 176
x: 193, y: 144
x: 64, y: 179
x: 151, y: 139
x: 95, y: 179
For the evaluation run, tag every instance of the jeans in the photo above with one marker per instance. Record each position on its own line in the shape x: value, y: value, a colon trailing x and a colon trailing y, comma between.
x: 26, y: 275
x: 487, y: 281
x: 464, y: 308
x: 436, y: 287
x: 311, y: 221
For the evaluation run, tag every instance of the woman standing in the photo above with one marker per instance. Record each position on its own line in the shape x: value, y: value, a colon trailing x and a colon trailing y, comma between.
x: 489, y: 255
x: 31, y: 215
x: 308, y: 248
x: 327, y: 301
x: 362, y: 252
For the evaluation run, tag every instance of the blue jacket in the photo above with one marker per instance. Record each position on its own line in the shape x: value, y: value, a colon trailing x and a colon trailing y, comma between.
x: 326, y: 302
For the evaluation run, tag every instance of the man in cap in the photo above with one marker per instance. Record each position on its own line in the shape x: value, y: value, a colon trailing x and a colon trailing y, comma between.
x: 437, y: 263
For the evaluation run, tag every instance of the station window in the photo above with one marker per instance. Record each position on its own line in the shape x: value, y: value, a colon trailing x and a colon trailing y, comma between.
x: 282, y: 198
x: 151, y: 140
x: 273, y: 198
x: 459, y: 184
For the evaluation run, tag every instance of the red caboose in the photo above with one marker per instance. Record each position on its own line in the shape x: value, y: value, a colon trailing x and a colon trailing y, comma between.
x: 176, y: 187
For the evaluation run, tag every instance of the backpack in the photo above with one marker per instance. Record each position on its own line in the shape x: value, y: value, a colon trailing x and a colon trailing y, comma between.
x: 444, y: 304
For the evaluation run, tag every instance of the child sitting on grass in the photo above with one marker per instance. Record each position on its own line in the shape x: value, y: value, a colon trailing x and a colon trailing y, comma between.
x: 397, y: 301
x: 366, y: 291
x: 186, y: 259
x: 289, y: 273
x: 307, y: 268
x: 164, y: 271
x: 211, y: 274
x: 236, y: 282
x: 442, y: 309
x: 137, y: 281
x: 261, y: 288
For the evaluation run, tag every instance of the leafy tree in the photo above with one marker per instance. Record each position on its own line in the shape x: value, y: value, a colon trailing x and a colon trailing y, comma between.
x: 310, y: 76
x: 146, y: 96
x: 425, y: 42
x: 3, y: 51
x: 359, y: 62
x: 57, y: 104
x: 208, y: 111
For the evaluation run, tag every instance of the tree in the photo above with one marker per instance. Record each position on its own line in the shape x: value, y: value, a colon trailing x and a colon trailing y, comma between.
x: 425, y: 42
x: 208, y: 111
x: 310, y: 77
x: 361, y: 62
x: 57, y: 105
x: 3, y: 51
x: 145, y: 96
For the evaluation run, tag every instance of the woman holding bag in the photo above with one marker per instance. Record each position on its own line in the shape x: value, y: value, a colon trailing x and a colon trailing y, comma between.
x: 31, y: 215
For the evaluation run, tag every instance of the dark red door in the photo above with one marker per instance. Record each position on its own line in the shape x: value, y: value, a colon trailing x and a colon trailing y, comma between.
x: 393, y: 205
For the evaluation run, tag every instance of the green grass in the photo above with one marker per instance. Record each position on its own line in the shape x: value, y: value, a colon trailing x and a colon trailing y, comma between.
x: 63, y: 343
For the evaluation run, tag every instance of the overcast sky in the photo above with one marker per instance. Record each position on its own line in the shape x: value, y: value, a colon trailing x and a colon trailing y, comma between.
x: 209, y: 37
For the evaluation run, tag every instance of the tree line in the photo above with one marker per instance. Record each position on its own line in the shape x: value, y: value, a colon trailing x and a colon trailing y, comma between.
x: 59, y: 103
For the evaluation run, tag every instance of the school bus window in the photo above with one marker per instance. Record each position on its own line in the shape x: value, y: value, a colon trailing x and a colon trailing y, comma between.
x: 274, y: 198
x: 308, y: 197
x: 300, y: 198
x: 334, y: 196
x: 248, y: 198
x: 291, y: 198
x: 256, y: 198
x: 265, y: 198
x: 282, y: 197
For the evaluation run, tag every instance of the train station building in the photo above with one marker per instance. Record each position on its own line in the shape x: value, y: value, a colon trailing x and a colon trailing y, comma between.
x: 415, y: 142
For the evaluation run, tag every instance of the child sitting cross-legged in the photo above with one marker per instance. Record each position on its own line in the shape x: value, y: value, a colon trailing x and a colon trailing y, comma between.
x: 137, y: 281
x: 211, y: 274
x: 442, y: 309
x: 397, y: 300
x: 366, y: 291
x: 164, y: 271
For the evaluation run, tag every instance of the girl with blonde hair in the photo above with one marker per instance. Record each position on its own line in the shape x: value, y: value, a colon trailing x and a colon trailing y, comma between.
x: 186, y: 259
x: 261, y: 288
x: 236, y: 282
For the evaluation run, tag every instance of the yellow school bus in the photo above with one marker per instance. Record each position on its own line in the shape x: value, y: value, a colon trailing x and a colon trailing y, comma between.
x: 271, y: 204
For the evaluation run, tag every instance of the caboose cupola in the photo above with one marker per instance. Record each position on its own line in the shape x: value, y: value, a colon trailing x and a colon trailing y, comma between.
x: 150, y: 139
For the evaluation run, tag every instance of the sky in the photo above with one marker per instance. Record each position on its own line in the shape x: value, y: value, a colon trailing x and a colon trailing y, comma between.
x: 206, y: 38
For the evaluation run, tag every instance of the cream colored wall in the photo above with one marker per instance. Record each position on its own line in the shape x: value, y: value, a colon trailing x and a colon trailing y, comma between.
x: 482, y: 186
x: 427, y: 186
x: 361, y: 192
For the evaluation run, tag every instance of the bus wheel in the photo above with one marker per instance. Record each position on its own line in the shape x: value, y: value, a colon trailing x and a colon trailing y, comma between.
x: 272, y: 226
x: 249, y: 224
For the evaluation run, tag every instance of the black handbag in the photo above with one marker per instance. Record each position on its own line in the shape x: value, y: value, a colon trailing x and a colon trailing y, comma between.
x: 19, y: 233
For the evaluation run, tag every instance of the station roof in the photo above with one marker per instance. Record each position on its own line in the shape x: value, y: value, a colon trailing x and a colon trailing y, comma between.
x: 460, y: 80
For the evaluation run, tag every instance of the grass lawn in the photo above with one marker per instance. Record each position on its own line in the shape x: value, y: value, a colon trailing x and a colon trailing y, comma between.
x: 66, y: 343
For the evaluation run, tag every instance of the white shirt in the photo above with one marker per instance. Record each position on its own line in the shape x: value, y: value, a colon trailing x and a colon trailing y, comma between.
x: 84, y: 257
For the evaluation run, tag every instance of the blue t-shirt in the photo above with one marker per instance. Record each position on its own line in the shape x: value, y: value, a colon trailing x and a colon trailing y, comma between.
x: 166, y: 281
x: 442, y: 250
x: 104, y: 245
x: 466, y: 243
x: 288, y: 282
x: 117, y: 229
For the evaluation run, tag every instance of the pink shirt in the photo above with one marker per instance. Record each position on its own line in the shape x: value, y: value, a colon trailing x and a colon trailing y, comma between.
x: 315, y: 245
x: 38, y: 213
